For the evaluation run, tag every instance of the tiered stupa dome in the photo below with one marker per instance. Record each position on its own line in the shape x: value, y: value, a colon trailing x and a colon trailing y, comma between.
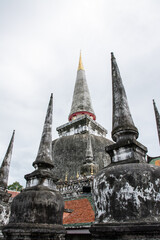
x: 69, y: 151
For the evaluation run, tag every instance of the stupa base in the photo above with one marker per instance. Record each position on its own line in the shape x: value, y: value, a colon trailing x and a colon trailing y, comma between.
x: 30, y: 231
x: 126, y: 231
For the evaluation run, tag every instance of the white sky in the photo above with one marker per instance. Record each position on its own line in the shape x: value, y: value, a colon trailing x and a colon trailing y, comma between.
x: 40, y: 43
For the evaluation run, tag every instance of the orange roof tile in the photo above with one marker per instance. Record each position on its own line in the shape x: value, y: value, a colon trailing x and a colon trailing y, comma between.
x: 82, y: 212
x: 14, y: 193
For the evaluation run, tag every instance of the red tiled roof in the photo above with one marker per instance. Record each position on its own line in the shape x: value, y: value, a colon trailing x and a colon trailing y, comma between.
x: 82, y: 211
x: 14, y: 193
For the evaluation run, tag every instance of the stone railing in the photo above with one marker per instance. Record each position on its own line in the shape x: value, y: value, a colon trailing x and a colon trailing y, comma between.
x: 72, y: 188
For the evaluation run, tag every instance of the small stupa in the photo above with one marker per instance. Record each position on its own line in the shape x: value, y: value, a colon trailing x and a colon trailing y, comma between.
x: 37, y: 212
x: 126, y: 192
x: 89, y: 167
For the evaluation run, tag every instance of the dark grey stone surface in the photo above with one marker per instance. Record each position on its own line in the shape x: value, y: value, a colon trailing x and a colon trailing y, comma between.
x: 126, y: 231
x: 69, y: 153
x: 127, y: 193
x: 4, y: 207
x: 44, y: 155
x: 36, y: 232
x: 4, y: 169
x: 122, y: 120
x: 4, y: 195
x: 127, y: 202
x: 36, y: 213
x: 37, y: 205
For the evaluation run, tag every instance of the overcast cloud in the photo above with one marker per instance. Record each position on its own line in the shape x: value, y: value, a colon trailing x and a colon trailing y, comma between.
x: 40, y: 43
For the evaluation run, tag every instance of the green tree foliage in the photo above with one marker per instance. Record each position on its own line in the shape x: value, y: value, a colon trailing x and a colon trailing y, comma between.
x: 16, y: 186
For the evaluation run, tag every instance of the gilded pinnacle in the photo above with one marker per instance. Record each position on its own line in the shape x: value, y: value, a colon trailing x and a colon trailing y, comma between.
x: 91, y: 169
x: 77, y: 174
x: 80, y: 66
x: 66, y: 177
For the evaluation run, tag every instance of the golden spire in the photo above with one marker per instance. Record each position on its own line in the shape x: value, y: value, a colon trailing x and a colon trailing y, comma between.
x: 66, y: 177
x: 91, y: 169
x: 80, y: 66
x: 77, y: 174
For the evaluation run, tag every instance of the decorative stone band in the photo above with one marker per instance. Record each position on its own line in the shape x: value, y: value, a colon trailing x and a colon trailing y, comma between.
x: 74, y: 115
x: 124, y: 132
x: 74, y: 187
x: 127, y: 150
x: 40, y: 231
x: 41, y: 177
x: 82, y: 124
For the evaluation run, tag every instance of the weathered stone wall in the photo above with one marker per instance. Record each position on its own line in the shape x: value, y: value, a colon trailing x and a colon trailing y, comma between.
x: 69, y: 154
x: 4, y: 213
x: 129, y: 231
x: 127, y: 193
x: 4, y: 209
x: 4, y: 216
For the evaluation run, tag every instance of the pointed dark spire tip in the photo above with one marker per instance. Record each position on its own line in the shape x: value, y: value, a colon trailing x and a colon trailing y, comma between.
x: 112, y: 55
x: 153, y: 100
x: 13, y: 134
x: 44, y: 156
